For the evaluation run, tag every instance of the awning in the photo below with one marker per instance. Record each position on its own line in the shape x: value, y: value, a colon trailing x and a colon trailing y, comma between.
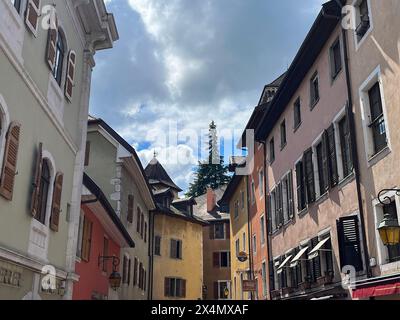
x: 377, y: 291
x: 297, y: 257
x: 314, y: 252
x: 280, y: 268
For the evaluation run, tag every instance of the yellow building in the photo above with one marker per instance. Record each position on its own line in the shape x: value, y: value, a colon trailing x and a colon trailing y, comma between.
x: 177, y: 245
x: 235, y: 198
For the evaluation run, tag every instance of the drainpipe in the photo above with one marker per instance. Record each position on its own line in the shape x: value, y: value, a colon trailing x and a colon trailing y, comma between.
x: 249, y: 233
x: 354, y: 147
x: 151, y: 254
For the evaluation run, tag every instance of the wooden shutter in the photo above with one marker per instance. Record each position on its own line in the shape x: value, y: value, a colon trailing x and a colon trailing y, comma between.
x: 138, y: 220
x: 87, y: 153
x: 349, y: 242
x: 290, y: 195
x: 227, y: 230
x: 36, y: 182
x: 216, y: 290
x: 9, y: 169
x: 316, y: 262
x: 145, y: 232
x: 183, y: 288
x: 269, y: 214
x: 70, y: 78
x: 299, y: 186
x: 325, y: 162
x: 167, y: 287
x: 212, y: 232
x: 129, y: 271
x: 173, y: 249
x: 130, y: 208
x: 86, y: 239
x: 280, y: 204
x: 135, y: 273
x: 309, y: 176
x: 56, y: 204
x: 51, y: 52
x: 349, y: 116
x: 216, y: 259
x: 332, y: 162
x: 32, y: 15
x: 142, y: 225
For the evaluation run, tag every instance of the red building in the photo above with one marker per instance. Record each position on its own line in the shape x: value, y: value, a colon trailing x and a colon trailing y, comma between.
x: 101, y: 234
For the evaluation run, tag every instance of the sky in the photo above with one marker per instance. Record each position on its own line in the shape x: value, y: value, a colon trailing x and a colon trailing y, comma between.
x: 180, y: 64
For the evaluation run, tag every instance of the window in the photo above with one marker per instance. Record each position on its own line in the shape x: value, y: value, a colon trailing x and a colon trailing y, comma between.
x: 142, y: 226
x: 16, y: 4
x: 175, y: 288
x: 105, y: 253
x: 244, y: 241
x: 345, y: 145
x: 138, y: 215
x: 309, y: 176
x: 141, y: 274
x: 236, y: 209
x: 222, y: 259
x: 377, y: 124
x: 264, y: 278
x: 135, y: 272
x: 363, y: 19
x: 125, y: 271
x: 322, y: 163
x: 393, y: 251
x: 271, y: 150
x: 145, y: 232
x: 297, y: 113
x: 332, y: 161
x: 301, y: 187
x: 129, y: 216
x: 80, y: 236
x: 286, y: 198
x: 44, y: 192
x: 60, y: 54
x: 220, y: 290
x: 261, y: 182
x: 157, y: 245
x: 219, y: 231
x: 254, y: 244
x: 262, y: 226
x: 86, y: 239
x: 314, y: 90
x: 176, y: 249
x: 253, y: 192
x: 87, y: 153
x: 336, y: 59
x: 237, y: 247
x: 314, y: 264
x: 283, y: 134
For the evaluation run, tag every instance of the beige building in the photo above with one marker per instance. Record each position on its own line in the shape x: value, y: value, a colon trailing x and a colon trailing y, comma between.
x: 373, y: 45
x: 46, y: 60
x: 216, y: 246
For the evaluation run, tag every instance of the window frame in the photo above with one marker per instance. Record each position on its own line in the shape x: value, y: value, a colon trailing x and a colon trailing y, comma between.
x: 297, y: 111
x: 315, y: 96
x: 332, y: 58
x: 283, y: 132
x: 357, y: 19
x: 271, y: 149
x: 157, y: 252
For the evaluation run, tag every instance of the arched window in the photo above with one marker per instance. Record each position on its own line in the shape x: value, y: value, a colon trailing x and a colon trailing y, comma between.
x: 44, y: 191
x: 60, y: 54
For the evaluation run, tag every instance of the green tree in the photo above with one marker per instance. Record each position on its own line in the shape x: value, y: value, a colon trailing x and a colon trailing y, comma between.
x: 212, y: 172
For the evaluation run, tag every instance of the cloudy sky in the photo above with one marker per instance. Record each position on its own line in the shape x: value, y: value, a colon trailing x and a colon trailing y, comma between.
x: 179, y: 64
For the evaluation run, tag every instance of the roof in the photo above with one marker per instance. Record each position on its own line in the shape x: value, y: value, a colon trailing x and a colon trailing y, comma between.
x: 100, y: 196
x: 230, y: 190
x: 318, y: 35
x: 156, y: 173
x: 200, y: 210
x: 126, y: 145
x: 175, y: 213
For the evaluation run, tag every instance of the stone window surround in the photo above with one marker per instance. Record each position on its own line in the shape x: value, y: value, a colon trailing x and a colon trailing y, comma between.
x: 358, y: 43
x: 5, y: 122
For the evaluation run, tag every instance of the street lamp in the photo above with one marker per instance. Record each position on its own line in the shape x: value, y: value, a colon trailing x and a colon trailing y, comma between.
x: 115, y: 278
x: 389, y: 228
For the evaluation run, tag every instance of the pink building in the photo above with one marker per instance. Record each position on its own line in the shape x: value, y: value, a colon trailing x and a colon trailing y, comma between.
x: 314, y: 217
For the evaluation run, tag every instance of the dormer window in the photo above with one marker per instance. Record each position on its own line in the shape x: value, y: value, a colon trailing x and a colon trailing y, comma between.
x: 166, y: 202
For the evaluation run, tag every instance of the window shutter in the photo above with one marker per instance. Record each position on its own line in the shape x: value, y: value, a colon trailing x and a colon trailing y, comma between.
x: 173, y: 249
x: 135, y: 266
x: 87, y: 153
x: 299, y: 184
x: 142, y: 225
x: 145, y: 232
x: 349, y: 116
x: 36, y: 182
x: 228, y: 230
x: 212, y: 230
x: 269, y: 214
x: 69, y: 82
x: 144, y: 280
x: 216, y: 259
x: 332, y: 162
x: 183, y: 288
x: 56, y: 204
x: 316, y: 261
x: 216, y: 291
x: 138, y: 220
x: 167, y: 287
x: 32, y: 15
x: 130, y: 208
x: 325, y: 163
x: 87, y: 239
x: 280, y: 203
x: 309, y: 176
x: 51, y: 52
x: 349, y: 242
x: 129, y: 271
x: 290, y: 195
x: 9, y: 169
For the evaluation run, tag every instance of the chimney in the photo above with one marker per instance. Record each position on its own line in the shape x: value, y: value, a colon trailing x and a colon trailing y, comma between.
x: 211, y: 200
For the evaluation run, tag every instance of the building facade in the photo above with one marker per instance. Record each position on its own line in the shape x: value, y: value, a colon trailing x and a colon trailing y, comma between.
x: 46, y: 62
x: 314, y: 216
x: 114, y: 166
x: 101, y: 238
x: 375, y: 78
x: 216, y: 246
x: 177, y: 241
